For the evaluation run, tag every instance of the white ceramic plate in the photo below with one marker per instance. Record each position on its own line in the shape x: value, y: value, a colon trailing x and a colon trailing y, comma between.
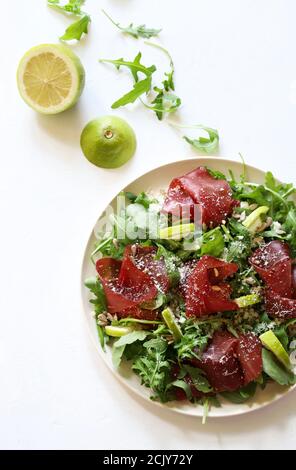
x: 154, y: 181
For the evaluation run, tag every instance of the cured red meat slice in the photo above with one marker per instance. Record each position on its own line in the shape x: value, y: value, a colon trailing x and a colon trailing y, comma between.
x: 249, y: 351
x: 205, y: 293
x: 135, y: 280
x: 143, y: 257
x: 198, y: 188
x: 278, y: 306
x: 229, y: 362
x: 294, y: 280
x: 220, y: 363
x: 274, y: 265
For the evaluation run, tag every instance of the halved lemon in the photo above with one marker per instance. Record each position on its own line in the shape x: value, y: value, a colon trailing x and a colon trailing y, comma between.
x: 50, y: 78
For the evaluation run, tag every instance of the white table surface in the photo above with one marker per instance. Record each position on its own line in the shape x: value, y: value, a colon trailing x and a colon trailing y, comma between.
x: 236, y: 71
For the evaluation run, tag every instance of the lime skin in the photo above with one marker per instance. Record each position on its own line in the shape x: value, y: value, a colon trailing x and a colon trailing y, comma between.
x: 108, y: 142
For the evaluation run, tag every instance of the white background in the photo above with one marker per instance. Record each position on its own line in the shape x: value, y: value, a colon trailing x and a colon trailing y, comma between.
x: 236, y: 71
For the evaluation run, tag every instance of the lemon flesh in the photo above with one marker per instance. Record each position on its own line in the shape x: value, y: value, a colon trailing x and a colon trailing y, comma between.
x: 108, y: 142
x: 50, y: 78
x: 271, y: 342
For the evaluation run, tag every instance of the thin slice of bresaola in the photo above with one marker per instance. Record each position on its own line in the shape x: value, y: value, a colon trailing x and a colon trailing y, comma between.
x: 220, y: 363
x: 198, y: 188
x: 274, y: 265
x: 249, y: 349
x: 205, y: 289
x: 231, y: 363
x: 135, y: 280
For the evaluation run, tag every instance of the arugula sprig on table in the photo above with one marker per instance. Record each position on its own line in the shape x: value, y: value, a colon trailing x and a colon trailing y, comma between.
x: 79, y: 27
x: 208, y: 144
x: 140, y: 31
x: 140, y: 86
x: 165, y: 101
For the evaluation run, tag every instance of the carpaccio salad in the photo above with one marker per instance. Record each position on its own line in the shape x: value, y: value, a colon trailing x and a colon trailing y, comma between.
x: 201, y: 308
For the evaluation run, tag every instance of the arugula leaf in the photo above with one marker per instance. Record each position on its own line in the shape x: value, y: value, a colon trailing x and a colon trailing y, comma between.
x: 205, y: 144
x: 275, y: 370
x: 144, y: 200
x: 73, y: 6
x: 199, y: 379
x: 171, y: 263
x: 140, y: 31
x: 130, y: 338
x: 242, y: 395
x: 290, y: 227
x: 183, y: 385
x: 165, y: 101
x: 96, y: 288
x: 99, y: 303
x: 216, y: 174
x: 135, y: 67
x: 212, y: 243
x: 77, y: 29
x: 153, y: 367
x: 140, y: 87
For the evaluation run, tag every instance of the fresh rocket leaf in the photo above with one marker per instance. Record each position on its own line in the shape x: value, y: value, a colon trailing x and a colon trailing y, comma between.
x: 242, y: 395
x: 275, y: 370
x: 96, y: 288
x: 199, y: 380
x: 165, y: 101
x: 212, y: 243
x: 144, y: 200
x: 184, y: 386
x: 205, y: 144
x: 73, y: 6
x: 140, y: 31
x: 135, y: 67
x: 140, y: 87
x: 77, y: 29
x: 153, y: 367
x: 119, y: 345
x: 99, y: 303
x: 171, y: 263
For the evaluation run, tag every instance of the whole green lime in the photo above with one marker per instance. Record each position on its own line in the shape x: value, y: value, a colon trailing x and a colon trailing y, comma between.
x: 108, y: 142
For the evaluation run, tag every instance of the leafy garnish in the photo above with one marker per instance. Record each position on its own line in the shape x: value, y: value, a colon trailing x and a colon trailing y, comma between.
x: 165, y: 100
x: 212, y: 243
x: 199, y: 379
x: 73, y: 6
x: 204, y: 144
x: 119, y: 345
x: 171, y: 262
x: 99, y: 303
x: 96, y: 288
x: 141, y: 86
x: 140, y: 31
x: 275, y: 370
x: 79, y: 27
x: 153, y: 367
x: 242, y: 395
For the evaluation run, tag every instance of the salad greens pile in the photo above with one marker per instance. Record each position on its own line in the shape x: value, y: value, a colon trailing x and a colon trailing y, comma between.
x: 157, y: 348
